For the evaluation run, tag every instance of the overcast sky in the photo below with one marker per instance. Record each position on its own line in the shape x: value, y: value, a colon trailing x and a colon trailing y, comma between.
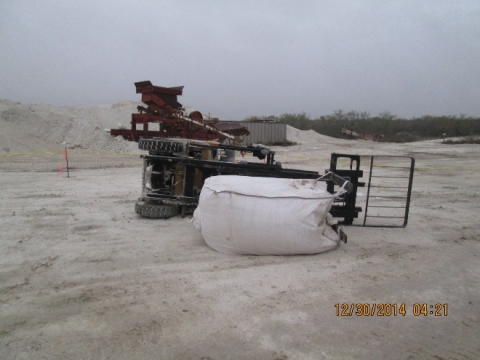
x: 242, y: 58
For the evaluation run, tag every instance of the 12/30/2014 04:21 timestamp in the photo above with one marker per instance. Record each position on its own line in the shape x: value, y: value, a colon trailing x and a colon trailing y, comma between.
x: 390, y: 309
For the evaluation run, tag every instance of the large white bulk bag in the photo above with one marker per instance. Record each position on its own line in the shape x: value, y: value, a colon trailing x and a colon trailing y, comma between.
x: 265, y: 216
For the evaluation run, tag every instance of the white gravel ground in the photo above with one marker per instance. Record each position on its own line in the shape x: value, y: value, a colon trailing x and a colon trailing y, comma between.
x: 83, y: 277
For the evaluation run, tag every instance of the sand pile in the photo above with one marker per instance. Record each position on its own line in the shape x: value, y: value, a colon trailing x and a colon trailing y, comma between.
x: 39, y: 128
x: 27, y: 128
x: 310, y: 136
x: 319, y: 145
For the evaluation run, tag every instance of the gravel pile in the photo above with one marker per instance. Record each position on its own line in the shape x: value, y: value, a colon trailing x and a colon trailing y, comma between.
x: 38, y: 128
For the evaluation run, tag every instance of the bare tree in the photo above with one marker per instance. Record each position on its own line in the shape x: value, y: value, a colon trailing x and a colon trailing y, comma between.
x: 387, y: 115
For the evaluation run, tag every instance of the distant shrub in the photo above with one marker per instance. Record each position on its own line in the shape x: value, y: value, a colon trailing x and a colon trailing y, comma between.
x: 468, y: 140
x: 387, y: 124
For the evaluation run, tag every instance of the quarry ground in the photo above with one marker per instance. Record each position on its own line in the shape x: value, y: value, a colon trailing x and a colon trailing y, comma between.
x: 83, y: 277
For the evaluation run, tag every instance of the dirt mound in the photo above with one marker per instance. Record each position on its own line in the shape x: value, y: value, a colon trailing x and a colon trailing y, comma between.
x: 27, y: 128
x: 309, y: 136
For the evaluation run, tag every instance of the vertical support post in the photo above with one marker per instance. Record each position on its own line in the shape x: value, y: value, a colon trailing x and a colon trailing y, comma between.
x: 189, y: 180
x: 133, y: 129
x: 66, y: 158
x: 333, y: 167
x: 409, y: 191
x: 368, y: 191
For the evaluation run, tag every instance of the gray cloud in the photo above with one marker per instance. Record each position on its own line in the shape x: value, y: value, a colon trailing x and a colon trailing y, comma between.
x: 243, y: 58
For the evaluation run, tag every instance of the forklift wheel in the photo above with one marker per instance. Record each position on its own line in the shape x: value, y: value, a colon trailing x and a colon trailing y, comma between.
x: 156, y: 211
x: 160, y: 145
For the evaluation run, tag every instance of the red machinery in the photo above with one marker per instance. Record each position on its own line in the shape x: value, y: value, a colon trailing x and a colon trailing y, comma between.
x: 164, y: 109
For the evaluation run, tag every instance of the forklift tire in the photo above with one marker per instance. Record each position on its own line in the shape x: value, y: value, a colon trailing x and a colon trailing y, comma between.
x: 156, y: 211
x: 161, y: 145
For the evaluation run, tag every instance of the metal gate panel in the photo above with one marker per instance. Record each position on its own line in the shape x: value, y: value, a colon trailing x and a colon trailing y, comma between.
x: 389, y: 189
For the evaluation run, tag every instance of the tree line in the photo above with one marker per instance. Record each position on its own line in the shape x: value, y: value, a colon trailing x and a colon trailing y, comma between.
x: 392, y: 128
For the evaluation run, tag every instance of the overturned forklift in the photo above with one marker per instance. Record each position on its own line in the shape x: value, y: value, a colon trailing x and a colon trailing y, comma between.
x: 174, y: 172
x: 187, y: 149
